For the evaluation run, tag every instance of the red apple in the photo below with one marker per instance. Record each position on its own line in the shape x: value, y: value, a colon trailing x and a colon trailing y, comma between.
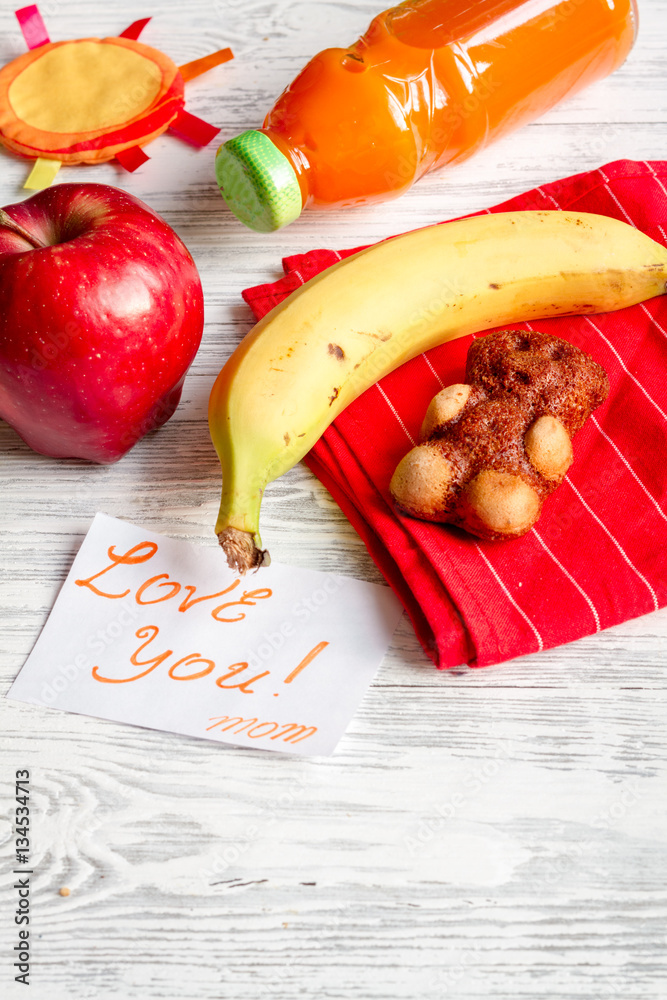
x: 101, y: 314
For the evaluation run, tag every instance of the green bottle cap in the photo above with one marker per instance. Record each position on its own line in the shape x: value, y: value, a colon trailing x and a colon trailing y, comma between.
x: 258, y: 182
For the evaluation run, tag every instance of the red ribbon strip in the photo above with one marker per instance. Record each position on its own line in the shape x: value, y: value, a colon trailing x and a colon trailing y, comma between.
x: 32, y: 26
x: 192, y: 129
x: 134, y: 30
x: 131, y: 158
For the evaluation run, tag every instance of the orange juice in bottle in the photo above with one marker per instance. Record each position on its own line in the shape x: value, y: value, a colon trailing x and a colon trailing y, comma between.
x: 429, y: 83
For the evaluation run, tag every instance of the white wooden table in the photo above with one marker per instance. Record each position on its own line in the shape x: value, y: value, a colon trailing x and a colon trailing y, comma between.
x: 490, y: 834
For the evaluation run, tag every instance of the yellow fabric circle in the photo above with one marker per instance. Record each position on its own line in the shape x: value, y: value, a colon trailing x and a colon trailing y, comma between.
x: 83, y: 86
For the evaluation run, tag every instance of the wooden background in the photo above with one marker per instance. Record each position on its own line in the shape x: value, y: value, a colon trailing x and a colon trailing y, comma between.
x: 488, y: 834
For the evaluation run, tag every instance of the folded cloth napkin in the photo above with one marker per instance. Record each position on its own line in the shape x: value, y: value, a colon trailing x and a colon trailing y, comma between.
x: 598, y: 554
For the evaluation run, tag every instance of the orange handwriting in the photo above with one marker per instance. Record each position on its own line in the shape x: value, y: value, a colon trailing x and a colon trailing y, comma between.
x: 291, y: 732
x: 150, y: 632
x: 160, y: 587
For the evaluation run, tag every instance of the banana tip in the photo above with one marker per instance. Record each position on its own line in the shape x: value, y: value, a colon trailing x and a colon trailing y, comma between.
x: 241, y: 551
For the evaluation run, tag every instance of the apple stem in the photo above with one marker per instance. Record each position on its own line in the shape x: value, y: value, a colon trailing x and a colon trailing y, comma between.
x: 9, y: 223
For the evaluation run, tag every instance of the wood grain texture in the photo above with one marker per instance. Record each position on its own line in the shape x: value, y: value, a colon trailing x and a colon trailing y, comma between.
x: 496, y: 833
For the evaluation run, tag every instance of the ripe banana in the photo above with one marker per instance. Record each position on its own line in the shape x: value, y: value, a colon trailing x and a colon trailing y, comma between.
x: 357, y: 321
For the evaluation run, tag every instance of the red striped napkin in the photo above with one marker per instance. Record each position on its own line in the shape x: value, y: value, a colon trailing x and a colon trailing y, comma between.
x: 598, y: 554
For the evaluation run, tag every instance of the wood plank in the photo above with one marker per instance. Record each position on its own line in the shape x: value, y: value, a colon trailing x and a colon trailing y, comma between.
x: 494, y: 834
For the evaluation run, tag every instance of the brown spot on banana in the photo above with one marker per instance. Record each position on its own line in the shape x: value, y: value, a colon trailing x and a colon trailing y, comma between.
x: 382, y: 337
x: 336, y: 351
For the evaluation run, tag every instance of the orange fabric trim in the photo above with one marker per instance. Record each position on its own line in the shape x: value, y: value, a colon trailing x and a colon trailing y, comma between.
x: 88, y: 154
x: 96, y: 145
x: 198, y: 66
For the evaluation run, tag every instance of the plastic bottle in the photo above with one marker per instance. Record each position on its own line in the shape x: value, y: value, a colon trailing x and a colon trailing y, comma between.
x: 429, y: 83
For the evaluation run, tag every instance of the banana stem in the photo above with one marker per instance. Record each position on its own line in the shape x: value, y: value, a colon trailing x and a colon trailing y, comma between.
x: 241, y: 551
x: 237, y: 528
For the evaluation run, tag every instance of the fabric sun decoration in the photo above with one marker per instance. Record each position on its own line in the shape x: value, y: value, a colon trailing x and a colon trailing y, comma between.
x: 94, y: 99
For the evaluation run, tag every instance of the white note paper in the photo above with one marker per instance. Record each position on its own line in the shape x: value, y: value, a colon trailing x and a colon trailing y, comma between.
x: 158, y: 632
